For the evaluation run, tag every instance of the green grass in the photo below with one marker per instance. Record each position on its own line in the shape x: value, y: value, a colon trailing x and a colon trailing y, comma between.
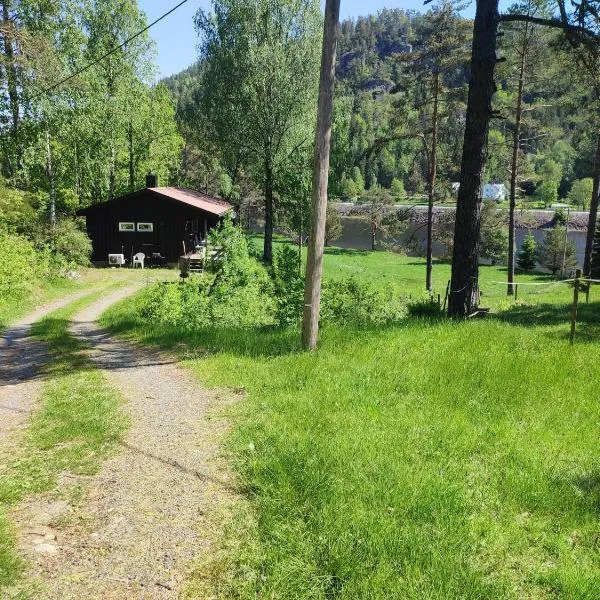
x: 433, y: 459
x: 77, y: 425
x: 12, y: 309
x: 407, y: 275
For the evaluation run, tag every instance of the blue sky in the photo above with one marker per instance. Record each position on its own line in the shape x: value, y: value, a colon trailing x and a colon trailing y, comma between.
x: 176, y: 39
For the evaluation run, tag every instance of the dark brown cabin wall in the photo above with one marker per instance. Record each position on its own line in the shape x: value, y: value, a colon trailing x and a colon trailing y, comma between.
x: 169, y: 219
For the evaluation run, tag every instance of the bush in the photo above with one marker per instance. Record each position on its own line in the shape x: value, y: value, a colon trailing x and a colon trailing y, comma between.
x: 553, y: 251
x: 349, y: 301
x: 19, y: 266
x: 425, y: 307
x: 238, y: 295
x: 288, y: 285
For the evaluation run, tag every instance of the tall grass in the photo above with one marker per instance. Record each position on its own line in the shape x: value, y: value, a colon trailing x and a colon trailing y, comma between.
x: 431, y: 459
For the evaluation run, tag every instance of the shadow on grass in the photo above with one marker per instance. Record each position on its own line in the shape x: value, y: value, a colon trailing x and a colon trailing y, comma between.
x: 588, y: 318
x: 259, y: 342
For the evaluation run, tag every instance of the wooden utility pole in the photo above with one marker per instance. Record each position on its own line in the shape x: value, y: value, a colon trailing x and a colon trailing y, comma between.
x: 575, y: 305
x: 316, y: 242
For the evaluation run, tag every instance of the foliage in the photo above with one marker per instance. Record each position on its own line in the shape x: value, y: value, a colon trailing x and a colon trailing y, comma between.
x: 493, y: 242
x: 527, y: 258
x: 547, y: 192
x: 556, y: 251
x: 333, y: 225
x: 288, y: 285
x: 259, y: 86
x: 98, y: 134
x: 238, y: 295
x: 580, y: 193
x: 397, y: 190
x: 19, y: 267
x: 425, y: 307
x: 351, y: 301
x: 17, y: 214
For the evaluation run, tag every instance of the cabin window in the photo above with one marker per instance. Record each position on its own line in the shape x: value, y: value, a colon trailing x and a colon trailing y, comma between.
x: 126, y: 226
x: 145, y: 227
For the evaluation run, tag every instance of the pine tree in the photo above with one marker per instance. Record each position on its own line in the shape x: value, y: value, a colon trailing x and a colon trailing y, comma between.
x: 556, y: 251
x: 526, y: 259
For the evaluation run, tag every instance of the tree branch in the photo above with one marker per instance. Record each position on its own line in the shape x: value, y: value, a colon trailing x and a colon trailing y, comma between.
x: 554, y: 23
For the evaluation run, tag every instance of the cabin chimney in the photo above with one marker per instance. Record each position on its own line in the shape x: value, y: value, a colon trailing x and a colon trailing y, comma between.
x: 151, y: 180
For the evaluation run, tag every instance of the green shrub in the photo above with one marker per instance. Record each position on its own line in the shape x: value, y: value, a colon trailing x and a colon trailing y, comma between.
x: 425, y: 307
x: 19, y: 267
x: 288, y: 285
x: 239, y: 294
x: 349, y: 301
x: 65, y: 244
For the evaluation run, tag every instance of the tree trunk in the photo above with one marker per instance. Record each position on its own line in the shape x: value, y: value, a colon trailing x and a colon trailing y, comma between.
x: 464, y: 292
x: 112, y: 174
x: 373, y: 236
x: 269, y: 209
x: 515, y: 169
x: 432, y: 179
x: 131, y: 160
x: 593, y: 217
x: 51, y: 181
x: 11, y: 69
x: 314, y: 263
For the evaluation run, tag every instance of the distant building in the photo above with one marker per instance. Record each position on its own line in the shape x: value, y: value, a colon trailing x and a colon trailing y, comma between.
x: 494, y: 191
x: 491, y: 191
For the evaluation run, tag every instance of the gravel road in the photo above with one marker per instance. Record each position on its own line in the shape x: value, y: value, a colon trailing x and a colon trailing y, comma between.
x: 148, y: 517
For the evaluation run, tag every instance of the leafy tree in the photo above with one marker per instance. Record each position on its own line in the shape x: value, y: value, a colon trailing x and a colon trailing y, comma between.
x: 333, y: 225
x: 397, y: 190
x: 359, y: 181
x: 259, y: 86
x: 348, y: 189
x: 527, y: 258
x: 493, y: 244
x: 580, y: 193
x: 556, y: 251
x: 381, y: 207
x: 547, y: 192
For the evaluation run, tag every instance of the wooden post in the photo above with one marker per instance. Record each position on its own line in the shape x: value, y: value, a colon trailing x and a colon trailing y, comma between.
x: 516, y: 291
x: 446, y: 296
x: 575, y: 305
x: 316, y: 242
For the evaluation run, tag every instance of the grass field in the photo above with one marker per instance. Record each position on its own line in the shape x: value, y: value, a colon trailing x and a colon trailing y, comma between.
x: 407, y: 275
x: 432, y: 459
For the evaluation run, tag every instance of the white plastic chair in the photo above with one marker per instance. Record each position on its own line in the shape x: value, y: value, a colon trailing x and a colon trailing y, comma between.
x: 138, y: 260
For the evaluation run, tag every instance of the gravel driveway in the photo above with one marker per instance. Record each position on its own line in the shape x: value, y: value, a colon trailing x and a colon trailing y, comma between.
x: 150, y: 512
x: 21, y: 358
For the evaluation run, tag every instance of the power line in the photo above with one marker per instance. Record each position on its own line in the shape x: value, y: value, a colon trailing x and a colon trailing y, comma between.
x: 112, y: 51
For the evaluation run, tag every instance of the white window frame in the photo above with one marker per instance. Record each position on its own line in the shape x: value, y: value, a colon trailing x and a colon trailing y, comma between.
x: 126, y: 226
x: 147, y: 227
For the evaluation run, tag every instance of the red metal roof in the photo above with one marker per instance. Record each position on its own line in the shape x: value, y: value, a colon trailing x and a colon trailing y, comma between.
x: 204, y: 202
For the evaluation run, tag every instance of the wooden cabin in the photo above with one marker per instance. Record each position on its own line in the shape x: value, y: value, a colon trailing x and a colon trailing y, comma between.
x: 158, y: 221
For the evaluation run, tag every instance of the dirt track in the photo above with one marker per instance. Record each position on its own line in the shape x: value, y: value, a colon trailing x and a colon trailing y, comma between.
x: 150, y: 511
